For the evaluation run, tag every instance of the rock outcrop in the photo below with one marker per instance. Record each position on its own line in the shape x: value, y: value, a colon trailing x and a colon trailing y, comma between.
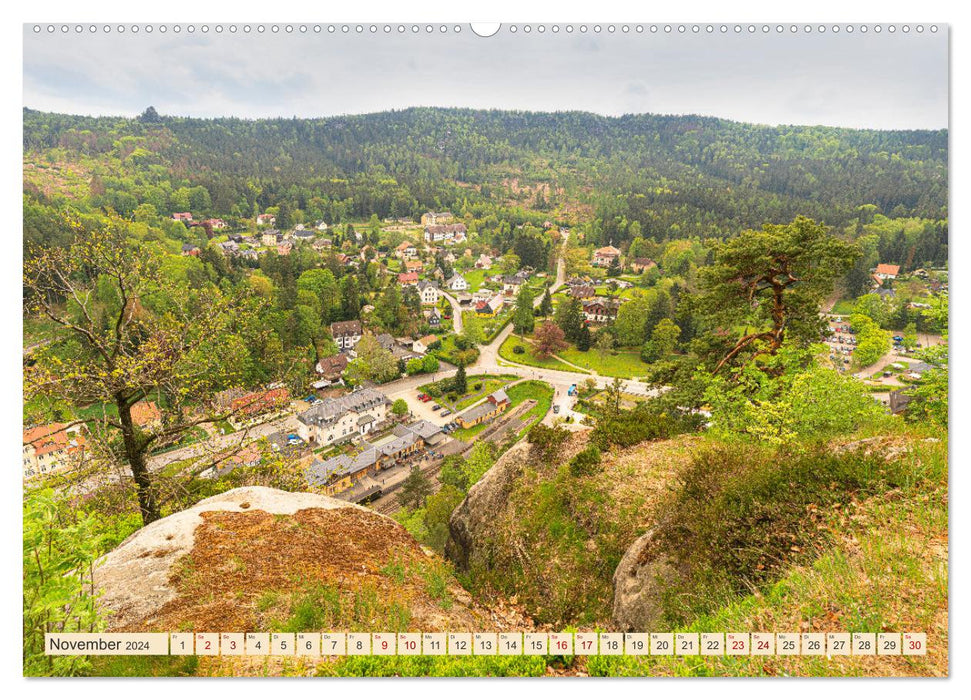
x: 637, y: 583
x: 476, y: 514
x: 239, y: 560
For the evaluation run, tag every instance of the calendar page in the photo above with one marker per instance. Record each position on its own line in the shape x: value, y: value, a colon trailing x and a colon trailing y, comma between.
x: 553, y: 349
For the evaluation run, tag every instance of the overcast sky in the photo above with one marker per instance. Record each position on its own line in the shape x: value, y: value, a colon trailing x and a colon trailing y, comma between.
x: 885, y: 81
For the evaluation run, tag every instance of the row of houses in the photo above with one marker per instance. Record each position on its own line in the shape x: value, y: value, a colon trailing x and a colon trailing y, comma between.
x: 446, y: 234
x: 340, y: 473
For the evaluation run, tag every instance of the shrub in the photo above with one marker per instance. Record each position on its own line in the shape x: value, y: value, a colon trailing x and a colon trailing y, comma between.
x: 59, y: 549
x: 624, y: 428
x: 586, y: 462
x: 739, y: 516
x: 518, y: 350
x: 546, y: 439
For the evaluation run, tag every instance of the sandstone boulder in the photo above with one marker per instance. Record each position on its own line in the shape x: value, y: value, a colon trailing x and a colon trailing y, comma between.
x: 637, y: 586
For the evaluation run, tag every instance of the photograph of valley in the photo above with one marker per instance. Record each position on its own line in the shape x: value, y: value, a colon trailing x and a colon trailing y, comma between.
x: 401, y: 330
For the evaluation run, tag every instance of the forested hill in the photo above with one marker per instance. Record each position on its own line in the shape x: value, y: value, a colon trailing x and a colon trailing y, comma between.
x: 677, y: 175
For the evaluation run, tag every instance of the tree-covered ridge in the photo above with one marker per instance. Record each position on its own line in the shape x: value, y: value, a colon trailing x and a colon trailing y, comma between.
x: 675, y: 175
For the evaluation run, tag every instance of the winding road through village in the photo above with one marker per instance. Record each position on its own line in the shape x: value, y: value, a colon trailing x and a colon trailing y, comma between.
x: 406, y: 388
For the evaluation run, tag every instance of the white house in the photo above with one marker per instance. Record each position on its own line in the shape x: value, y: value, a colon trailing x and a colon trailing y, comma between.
x: 337, y: 419
x: 421, y: 345
x: 406, y: 250
x: 346, y: 334
x: 457, y: 283
x: 428, y: 293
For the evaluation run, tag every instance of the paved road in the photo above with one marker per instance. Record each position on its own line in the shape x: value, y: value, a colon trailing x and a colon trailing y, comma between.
x: 456, y: 311
x: 407, y: 388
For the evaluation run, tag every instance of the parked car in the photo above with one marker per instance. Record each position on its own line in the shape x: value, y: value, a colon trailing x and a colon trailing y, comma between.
x: 446, y: 412
x: 556, y: 409
x: 435, y: 407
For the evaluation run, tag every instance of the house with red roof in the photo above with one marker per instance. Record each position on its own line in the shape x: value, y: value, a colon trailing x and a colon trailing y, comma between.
x: 408, y: 279
x: 52, y: 448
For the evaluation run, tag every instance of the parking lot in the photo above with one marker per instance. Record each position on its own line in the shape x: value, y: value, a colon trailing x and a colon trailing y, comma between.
x: 841, y: 341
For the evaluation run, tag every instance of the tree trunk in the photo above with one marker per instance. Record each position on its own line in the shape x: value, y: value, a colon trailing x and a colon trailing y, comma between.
x: 135, y: 452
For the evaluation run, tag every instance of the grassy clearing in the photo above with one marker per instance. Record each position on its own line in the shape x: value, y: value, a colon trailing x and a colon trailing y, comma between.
x: 531, y: 389
x: 844, y: 307
x: 625, y: 364
x: 528, y: 357
x: 475, y: 276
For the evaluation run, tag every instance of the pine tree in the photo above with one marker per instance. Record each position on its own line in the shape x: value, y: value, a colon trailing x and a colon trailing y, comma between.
x: 523, y: 320
x: 460, y: 384
x: 415, y: 489
x: 584, y: 340
x: 569, y: 317
x: 546, y: 306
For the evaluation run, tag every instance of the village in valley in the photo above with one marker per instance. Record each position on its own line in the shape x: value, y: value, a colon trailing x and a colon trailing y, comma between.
x: 481, y: 370
x: 359, y: 439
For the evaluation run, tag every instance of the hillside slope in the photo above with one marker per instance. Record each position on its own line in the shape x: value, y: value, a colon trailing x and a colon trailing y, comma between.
x: 850, y: 536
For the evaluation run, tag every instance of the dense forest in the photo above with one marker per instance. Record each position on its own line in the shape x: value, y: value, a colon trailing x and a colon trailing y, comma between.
x: 665, y: 177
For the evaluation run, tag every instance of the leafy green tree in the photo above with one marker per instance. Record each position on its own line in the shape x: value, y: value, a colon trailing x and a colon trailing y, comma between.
x: 438, y: 510
x: 873, y: 306
x: 373, y: 363
x: 774, y: 281
x: 137, y: 335
x: 605, y: 343
x: 509, y: 263
x: 585, y: 462
x: 872, y: 342
x: 472, y: 331
x: 523, y: 320
x: 569, y: 317
x: 414, y: 489
x: 399, y: 407
x: 910, y: 335
x: 453, y: 473
x: 790, y: 406
x: 663, y: 341
x: 430, y: 364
